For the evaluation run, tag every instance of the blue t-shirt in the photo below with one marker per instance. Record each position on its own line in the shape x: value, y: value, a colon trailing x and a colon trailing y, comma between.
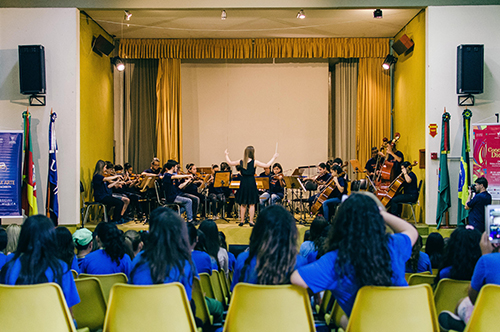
x: 250, y: 273
x: 476, y: 212
x: 423, y: 264
x: 445, y: 273
x: 232, y: 260
x: 3, y: 259
x: 487, y: 271
x: 412, y: 187
x: 171, y: 190
x: 74, y: 265
x: 68, y: 283
x: 312, y: 257
x: 306, y: 248
x: 142, y: 275
x: 202, y: 261
x: 321, y: 275
x: 99, y: 262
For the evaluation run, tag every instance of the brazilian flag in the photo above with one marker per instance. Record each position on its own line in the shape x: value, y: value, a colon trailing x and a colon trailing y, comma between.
x: 444, y: 198
x: 464, y: 173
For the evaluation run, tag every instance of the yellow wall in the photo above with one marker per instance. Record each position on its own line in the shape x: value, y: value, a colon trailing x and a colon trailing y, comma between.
x: 96, y: 102
x: 409, y: 100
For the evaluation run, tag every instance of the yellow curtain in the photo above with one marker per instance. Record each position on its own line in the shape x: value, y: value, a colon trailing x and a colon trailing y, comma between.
x: 254, y: 48
x: 373, y: 114
x: 168, y: 110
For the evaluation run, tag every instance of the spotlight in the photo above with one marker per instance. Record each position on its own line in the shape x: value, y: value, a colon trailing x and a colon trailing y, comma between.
x: 128, y: 15
x: 377, y: 13
x: 223, y: 15
x: 301, y: 14
x: 389, y: 60
x: 118, y: 63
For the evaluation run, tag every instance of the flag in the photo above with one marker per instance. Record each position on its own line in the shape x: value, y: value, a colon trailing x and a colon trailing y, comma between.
x: 29, y: 180
x: 464, y: 173
x: 444, y: 199
x: 52, y: 208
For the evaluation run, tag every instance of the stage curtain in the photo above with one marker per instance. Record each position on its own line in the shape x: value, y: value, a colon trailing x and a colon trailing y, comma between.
x: 140, y: 113
x: 254, y: 48
x: 373, y: 115
x: 169, y: 110
x: 343, y: 126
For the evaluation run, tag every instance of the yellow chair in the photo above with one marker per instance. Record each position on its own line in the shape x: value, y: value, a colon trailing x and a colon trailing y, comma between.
x: 333, y: 317
x: 200, y: 303
x: 74, y: 273
x: 40, y: 308
x: 321, y: 310
x: 91, y: 310
x: 206, y: 285
x: 409, y: 309
x: 485, y: 314
x: 162, y: 307
x: 448, y: 292
x: 408, y: 275
x: 418, y: 279
x: 283, y: 308
x: 435, y: 272
x: 225, y: 286
x: 217, y: 288
x: 107, y: 281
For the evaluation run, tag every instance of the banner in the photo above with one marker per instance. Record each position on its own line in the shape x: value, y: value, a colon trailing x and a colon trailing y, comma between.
x: 486, y: 156
x: 52, y: 208
x: 11, y: 147
x: 444, y: 198
x: 28, y: 194
x: 464, y: 174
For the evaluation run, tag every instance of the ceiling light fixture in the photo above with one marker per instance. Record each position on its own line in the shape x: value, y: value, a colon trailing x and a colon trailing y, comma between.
x: 377, y: 13
x: 223, y: 15
x: 128, y: 15
x: 301, y: 14
x: 118, y: 63
x: 389, y: 61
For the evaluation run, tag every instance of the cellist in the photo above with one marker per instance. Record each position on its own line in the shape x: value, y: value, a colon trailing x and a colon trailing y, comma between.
x: 394, y: 156
x: 336, y: 196
x: 409, y: 194
x: 373, y: 162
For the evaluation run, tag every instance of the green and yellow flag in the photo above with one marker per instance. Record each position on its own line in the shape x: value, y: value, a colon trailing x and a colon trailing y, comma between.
x: 444, y: 198
x: 29, y: 179
x: 464, y: 173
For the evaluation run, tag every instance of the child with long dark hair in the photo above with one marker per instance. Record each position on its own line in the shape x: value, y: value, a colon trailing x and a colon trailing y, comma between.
x: 111, y: 257
x: 212, y: 244
x: 35, y: 260
x: 66, y: 248
x: 359, y: 252
x: 273, y: 254
x: 167, y: 258
x: 434, y: 247
x: 419, y: 261
x: 248, y: 195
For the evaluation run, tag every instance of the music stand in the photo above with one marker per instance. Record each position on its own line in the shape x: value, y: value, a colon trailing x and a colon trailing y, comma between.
x: 222, y: 180
x: 356, y: 165
x: 262, y: 182
x: 293, y: 183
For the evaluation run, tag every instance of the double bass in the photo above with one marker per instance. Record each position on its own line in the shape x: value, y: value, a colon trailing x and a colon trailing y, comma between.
x: 385, y: 195
x: 387, y: 173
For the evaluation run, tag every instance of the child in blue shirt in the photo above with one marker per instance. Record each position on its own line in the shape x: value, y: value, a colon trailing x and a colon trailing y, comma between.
x: 419, y: 261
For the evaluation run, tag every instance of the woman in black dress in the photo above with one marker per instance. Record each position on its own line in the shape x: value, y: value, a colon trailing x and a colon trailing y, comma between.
x: 247, y: 194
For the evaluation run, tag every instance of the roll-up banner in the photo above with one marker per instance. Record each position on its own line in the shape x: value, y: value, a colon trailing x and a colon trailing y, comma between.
x: 11, y: 149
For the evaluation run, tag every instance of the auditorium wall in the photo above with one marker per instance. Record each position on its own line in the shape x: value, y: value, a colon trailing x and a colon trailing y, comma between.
x: 446, y: 28
x: 57, y: 31
x: 409, y: 97
x: 261, y: 103
x: 96, y: 106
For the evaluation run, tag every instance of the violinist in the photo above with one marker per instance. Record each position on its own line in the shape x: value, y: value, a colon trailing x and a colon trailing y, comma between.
x: 335, y: 197
x: 125, y: 189
x: 191, y: 188
x: 373, y: 162
x: 215, y: 194
x: 409, y: 193
x: 267, y: 172
x: 321, y: 179
x: 276, y: 190
x: 228, y: 192
x: 154, y: 169
x: 172, y: 193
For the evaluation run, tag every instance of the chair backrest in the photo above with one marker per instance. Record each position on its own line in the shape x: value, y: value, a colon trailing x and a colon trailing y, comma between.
x: 74, y: 273
x: 107, y: 281
x: 417, y: 279
x: 333, y: 317
x: 40, y: 307
x: 409, y: 309
x: 153, y: 308
x: 324, y: 304
x: 448, y: 292
x: 206, y: 285
x: 419, y: 187
x: 200, y: 303
x: 91, y: 310
x: 409, y: 274
x: 282, y: 308
x: 485, y: 314
x: 216, y: 287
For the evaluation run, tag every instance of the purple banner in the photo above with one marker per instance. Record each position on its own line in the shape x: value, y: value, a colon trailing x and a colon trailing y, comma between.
x: 11, y: 148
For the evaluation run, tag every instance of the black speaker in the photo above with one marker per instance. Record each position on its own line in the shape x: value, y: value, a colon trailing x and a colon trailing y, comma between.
x: 32, y: 69
x: 101, y: 45
x: 470, y: 69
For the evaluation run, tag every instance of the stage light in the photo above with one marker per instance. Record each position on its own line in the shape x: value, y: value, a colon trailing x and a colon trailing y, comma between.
x: 223, y: 15
x: 377, y: 13
x: 301, y: 14
x: 389, y: 61
x: 118, y: 63
x: 128, y: 15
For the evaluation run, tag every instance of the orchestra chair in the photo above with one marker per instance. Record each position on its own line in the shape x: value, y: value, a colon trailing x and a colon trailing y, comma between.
x: 379, y: 308
x: 415, y: 203
x: 86, y: 206
x: 163, y: 307
x: 40, y: 308
x: 163, y: 202
x: 278, y: 308
x: 448, y: 292
x: 107, y: 281
x: 206, y: 285
x: 418, y: 279
x: 485, y: 314
x: 91, y: 310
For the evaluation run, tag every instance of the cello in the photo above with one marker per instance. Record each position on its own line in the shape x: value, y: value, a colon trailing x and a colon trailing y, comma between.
x: 325, y: 193
x: 385, y: 195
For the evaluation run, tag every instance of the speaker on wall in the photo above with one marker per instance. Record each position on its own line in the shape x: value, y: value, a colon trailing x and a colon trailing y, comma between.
x: 403, y: 44
x: 32, y: 69
x: 470, y: 69
x: 101, y: 45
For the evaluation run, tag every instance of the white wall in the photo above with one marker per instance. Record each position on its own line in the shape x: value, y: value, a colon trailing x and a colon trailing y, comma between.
x: 448, y: 27
x: 58, y: 31
x: 239, y: 104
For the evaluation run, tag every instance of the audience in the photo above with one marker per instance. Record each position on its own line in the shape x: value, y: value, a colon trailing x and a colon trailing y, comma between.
x: 307, y: 245
x: 318, y: 236
x: 419, y: 261
x: 133, y: 243
x: 200, y: 258
x: 218, y: 254
x: 3, y: 245
x: 35, y: 260
x: 66, y: 248
x: 110, y: 257
x: 231, y: 257
x: 13, y: 232
x: 434, y: 247
x: 82, y: 238
x: 360, y: 252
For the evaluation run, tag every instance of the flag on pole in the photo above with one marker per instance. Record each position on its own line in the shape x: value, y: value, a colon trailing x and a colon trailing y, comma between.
x: 464, y: 173
x: 29, y: 180
x: 444, y: 199
x: 52, y: 208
